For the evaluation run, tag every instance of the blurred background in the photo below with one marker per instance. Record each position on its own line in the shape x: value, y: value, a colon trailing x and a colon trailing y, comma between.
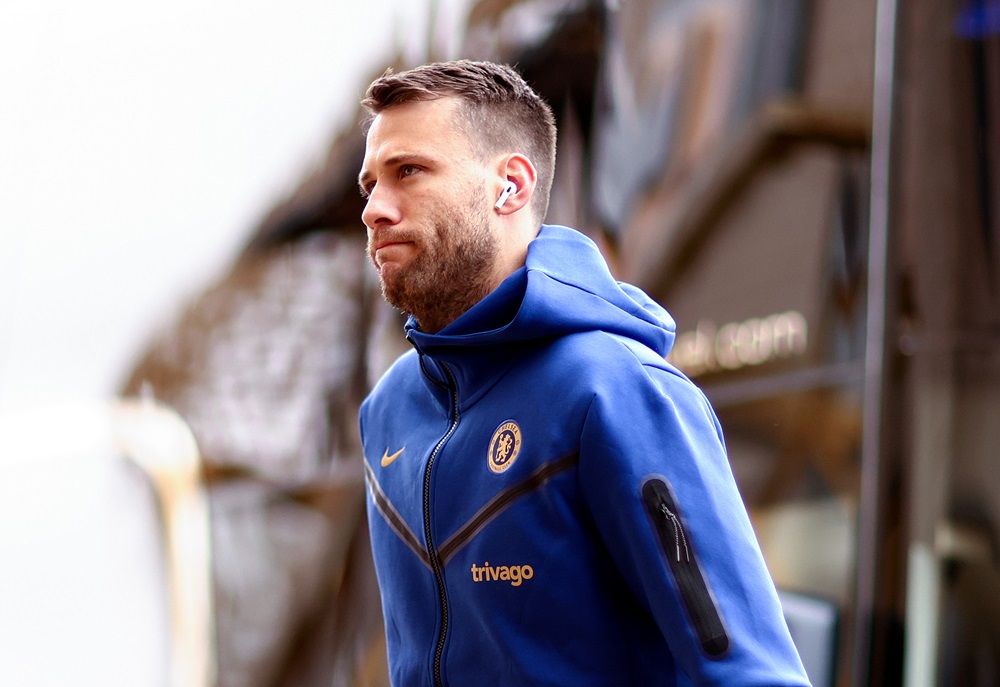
x: 188, y: 323
x: 140, y: 145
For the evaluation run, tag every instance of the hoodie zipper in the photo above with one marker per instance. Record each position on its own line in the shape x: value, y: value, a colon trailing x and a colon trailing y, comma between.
x: 691, y: 582
x: 435, y: 559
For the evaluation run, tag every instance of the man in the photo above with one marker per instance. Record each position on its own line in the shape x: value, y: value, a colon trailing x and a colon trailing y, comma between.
x: 550, y: 501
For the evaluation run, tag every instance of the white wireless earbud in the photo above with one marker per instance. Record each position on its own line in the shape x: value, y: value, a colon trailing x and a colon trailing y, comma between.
x: 508, y: 188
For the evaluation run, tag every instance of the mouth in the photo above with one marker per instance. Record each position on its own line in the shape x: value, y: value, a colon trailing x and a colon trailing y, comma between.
x: 389, y: 250
x: 379, y: 245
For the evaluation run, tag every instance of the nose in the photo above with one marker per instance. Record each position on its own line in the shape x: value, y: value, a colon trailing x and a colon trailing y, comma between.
x: 381, y: 208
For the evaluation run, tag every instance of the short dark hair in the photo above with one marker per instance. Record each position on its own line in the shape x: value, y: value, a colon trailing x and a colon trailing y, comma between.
x: 500, y: 112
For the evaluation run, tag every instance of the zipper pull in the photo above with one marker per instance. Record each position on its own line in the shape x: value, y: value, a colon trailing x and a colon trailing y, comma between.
x: 678, y: 532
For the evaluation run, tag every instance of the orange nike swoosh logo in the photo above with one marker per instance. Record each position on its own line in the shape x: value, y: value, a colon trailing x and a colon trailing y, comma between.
x: 387, y: 459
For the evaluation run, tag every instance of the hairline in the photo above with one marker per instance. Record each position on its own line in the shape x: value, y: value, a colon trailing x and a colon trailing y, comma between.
x: 462, y: 117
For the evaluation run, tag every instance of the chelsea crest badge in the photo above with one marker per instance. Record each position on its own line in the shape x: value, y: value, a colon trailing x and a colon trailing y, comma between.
x: 504, y: 447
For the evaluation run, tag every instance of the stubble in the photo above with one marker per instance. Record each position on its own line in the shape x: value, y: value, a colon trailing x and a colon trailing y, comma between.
x: 453, y: 269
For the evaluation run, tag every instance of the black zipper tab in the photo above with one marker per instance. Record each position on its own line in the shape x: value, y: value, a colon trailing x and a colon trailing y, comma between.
x: 691, y: 583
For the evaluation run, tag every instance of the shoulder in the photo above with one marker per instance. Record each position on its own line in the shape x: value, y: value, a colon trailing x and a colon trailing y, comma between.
x: 621, y: 379
x: 400, y: 379
x: 406, y: 365
x: 600, y: 357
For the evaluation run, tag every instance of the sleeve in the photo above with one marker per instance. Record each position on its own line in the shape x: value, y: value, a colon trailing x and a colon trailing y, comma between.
x: 655, y: 475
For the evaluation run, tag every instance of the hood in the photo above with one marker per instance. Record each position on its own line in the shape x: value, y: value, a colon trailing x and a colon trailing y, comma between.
x: 564, y: 287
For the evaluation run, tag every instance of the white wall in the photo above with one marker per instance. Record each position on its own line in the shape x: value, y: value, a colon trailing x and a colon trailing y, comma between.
x: 139, y: 144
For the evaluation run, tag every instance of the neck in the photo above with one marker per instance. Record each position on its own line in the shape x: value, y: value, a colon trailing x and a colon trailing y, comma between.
x: 452, y: 300
x: 437, y: 315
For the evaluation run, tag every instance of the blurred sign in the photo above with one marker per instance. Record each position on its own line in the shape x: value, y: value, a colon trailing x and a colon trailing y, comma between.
x: 740, y: 344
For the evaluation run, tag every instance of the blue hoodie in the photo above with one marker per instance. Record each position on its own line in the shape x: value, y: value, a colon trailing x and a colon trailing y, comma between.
x: 550, y: 502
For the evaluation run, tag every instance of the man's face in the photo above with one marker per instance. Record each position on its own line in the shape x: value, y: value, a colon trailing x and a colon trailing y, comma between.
x: 430, y: 235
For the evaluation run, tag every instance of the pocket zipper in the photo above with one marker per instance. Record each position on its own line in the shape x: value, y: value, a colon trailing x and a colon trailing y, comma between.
x: 695, y: 594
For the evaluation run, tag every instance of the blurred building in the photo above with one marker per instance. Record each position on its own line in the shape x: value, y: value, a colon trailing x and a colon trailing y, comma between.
x: 809, y: 186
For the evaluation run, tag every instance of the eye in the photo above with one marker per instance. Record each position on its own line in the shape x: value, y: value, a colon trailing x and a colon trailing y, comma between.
x: 407, y: 170
x: 365, y: 188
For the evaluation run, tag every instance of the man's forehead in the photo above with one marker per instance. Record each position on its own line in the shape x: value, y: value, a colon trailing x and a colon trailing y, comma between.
x: 418, y: 125
x: 440, y: 112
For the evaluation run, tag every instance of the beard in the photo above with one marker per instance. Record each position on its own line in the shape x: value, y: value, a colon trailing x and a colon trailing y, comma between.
x: 452, y: 270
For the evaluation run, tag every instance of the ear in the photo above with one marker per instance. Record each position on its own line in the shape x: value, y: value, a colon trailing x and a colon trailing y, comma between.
x: 516, y: 169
